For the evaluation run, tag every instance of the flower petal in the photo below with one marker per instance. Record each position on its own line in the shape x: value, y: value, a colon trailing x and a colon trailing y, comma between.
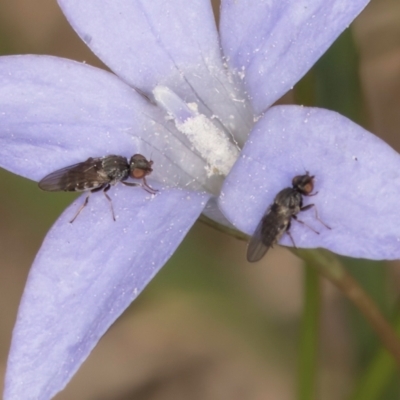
x: 85, y: 275
x: 357, y: 177
x: 57, y: 112
x: 273, y: 43
x: 171, y: 43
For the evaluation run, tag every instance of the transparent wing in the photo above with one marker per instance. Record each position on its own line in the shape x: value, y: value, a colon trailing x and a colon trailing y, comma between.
x: 256, y: 249
x: 78, y: 177
x: 269, y: 230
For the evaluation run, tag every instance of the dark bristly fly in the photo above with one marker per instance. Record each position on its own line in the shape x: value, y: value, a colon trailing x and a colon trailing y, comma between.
x: 276, y: 221
x: 97, y: 174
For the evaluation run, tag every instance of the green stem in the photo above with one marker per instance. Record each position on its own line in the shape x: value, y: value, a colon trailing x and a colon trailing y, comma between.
x: 309, y: 334
x: 329, y: 266
x: 381, y: 370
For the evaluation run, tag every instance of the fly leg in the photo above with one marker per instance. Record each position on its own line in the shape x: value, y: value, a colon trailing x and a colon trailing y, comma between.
x: 145, y: 186
x: 316, y: 214
x: 291, y: 238
x: 148, y: 188
x: 290, y: 235
x: 81, y: 207
x: 130, y: 183
x: 302, y: 222
x: 106, y: 188
x: 102, y: 187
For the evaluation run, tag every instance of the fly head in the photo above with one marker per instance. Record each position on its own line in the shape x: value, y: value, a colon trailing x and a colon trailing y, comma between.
x: 304, y: 184
x: 140, y: 166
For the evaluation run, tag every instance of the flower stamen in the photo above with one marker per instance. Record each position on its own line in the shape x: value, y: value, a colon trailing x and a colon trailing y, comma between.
x: 208, y: 140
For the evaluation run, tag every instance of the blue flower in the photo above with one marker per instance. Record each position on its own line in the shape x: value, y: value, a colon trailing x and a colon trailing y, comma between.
x: 197, y: 103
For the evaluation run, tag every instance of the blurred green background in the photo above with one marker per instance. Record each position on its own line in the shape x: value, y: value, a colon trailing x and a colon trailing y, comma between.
x: 211, y: 326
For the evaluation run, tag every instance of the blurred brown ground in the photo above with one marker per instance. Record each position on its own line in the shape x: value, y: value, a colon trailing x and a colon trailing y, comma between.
x: 174, y: 343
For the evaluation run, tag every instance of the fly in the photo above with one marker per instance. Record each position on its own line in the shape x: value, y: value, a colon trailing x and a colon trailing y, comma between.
x: 96, y: 174
x: 276, y: 221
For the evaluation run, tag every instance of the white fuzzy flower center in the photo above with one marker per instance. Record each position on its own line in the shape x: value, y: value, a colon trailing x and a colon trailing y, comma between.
x: 207, y: 138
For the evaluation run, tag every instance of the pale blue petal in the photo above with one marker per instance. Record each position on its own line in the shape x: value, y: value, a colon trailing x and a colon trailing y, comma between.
x: 172, y: 43
x: 357, y: 177
x: 273, y: 43
x: 85, y: 275
x: 57, y: 112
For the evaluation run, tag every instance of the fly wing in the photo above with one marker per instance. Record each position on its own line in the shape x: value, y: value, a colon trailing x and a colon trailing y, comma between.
x: 268, y: 232
x: 256, y: 249
x: 76, y: 178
